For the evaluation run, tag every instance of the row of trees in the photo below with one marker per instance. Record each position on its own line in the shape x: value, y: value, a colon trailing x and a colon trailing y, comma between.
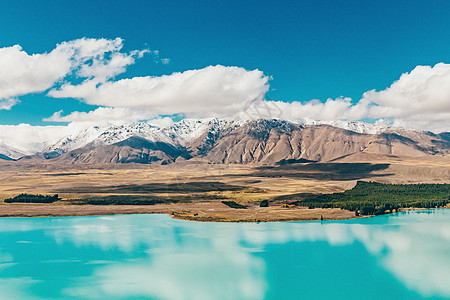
x: 372, y: 198
x: 29, y: 198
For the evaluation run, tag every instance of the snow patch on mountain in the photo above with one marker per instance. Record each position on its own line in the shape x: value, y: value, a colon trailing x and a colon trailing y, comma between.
x: 363, y: 127
x: 75, y: 140
x: 10, y: 152
x: 182, y: 133
x: 19, y: 140
x: 188, y: 130
x: 355, y: 126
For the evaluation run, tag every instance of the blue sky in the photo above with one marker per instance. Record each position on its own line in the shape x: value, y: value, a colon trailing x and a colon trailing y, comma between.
x: 311, y: 49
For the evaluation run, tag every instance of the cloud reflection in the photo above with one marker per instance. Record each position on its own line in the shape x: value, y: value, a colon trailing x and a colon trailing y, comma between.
x: 181, y: 276
x: 417, y: 253
x: 179, y: 262
x: 188, y: 260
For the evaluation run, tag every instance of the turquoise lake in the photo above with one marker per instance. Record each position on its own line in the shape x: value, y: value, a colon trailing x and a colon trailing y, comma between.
x: 400, y: 256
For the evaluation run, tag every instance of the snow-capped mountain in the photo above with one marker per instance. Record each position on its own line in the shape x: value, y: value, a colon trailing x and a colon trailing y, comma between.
x: 230, y: 141
x: 181, y: 133
x: 188, y: 130
x: 74, y: 141
x: 23, y: 139
x: 18, y: 151
x: 97, y: 136
x: 365, y: 128
x: 10, y: 152
x: 355, y: 126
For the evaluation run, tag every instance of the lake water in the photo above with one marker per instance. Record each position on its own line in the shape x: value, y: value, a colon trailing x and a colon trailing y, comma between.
x: 400, y: 256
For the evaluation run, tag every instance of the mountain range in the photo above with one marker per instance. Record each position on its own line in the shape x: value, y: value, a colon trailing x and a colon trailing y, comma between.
x: 230, y: 141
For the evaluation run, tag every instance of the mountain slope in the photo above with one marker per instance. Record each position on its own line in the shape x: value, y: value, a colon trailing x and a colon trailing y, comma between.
x: 270, y: 141
x: 10, y: 152
x: 4, y: 157
x: 131, y: 150
x: 231, y: 141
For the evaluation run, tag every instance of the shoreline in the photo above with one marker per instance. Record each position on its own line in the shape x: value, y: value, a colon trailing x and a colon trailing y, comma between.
x: 198, y: 212
x: 195, y: 191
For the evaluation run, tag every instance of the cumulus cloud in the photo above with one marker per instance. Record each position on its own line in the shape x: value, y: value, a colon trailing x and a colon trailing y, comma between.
x: 161, y: 122
x: 424, y: 90
x: 212, y: 91
x: 103, y: 114
x: 6, y: 104
x: 22, y: 73
x: 332, y: 109
x: 25, y: 139
x: 419, y: 99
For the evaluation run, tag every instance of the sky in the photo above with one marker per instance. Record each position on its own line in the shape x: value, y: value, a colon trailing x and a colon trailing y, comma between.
x: 64, y: 62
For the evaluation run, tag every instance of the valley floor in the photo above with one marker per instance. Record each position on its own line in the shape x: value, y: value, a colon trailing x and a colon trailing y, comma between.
x: 195, y: 190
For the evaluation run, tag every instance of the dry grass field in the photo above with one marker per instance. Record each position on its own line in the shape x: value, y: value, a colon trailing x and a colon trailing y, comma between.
x: 195, y: 190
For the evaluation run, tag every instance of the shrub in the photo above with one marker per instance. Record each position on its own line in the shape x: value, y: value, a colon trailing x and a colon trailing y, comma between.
x: 29, y: 198
x: 264, y: 203
x: 233, y: 204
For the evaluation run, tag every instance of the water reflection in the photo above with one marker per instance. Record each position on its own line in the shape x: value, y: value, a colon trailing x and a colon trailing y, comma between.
x: 182, y: 260
x: 156, y: 257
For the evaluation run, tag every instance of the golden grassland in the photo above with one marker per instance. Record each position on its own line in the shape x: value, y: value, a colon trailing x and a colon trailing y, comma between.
x: 194, y: 190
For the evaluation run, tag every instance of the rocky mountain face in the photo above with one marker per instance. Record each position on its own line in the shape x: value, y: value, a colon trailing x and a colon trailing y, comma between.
x: 271, y: 141
x: 131, y: 150
x: 229, y: 141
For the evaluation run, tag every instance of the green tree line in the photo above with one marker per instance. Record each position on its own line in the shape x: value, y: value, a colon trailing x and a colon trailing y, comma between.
x: 29, y: 198
x: 373, y: 198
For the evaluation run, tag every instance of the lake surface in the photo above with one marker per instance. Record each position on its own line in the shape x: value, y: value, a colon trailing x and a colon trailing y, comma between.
x: 400, y: 256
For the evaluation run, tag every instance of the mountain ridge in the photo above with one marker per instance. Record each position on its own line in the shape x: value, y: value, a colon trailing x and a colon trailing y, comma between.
x: 230, y: 141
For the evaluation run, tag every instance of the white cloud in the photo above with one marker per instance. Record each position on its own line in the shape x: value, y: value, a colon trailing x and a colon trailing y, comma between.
x: 424, y: 90
x: 419, y: 99
x: 22, y: 73
x: 164, y: 61
x: 212, y: 91
x: 185, y: 274
x: 27, y: 139
x: 332, y: 109
x: 6, y: 104
x: 103, y: 114
x: 161, y: 122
